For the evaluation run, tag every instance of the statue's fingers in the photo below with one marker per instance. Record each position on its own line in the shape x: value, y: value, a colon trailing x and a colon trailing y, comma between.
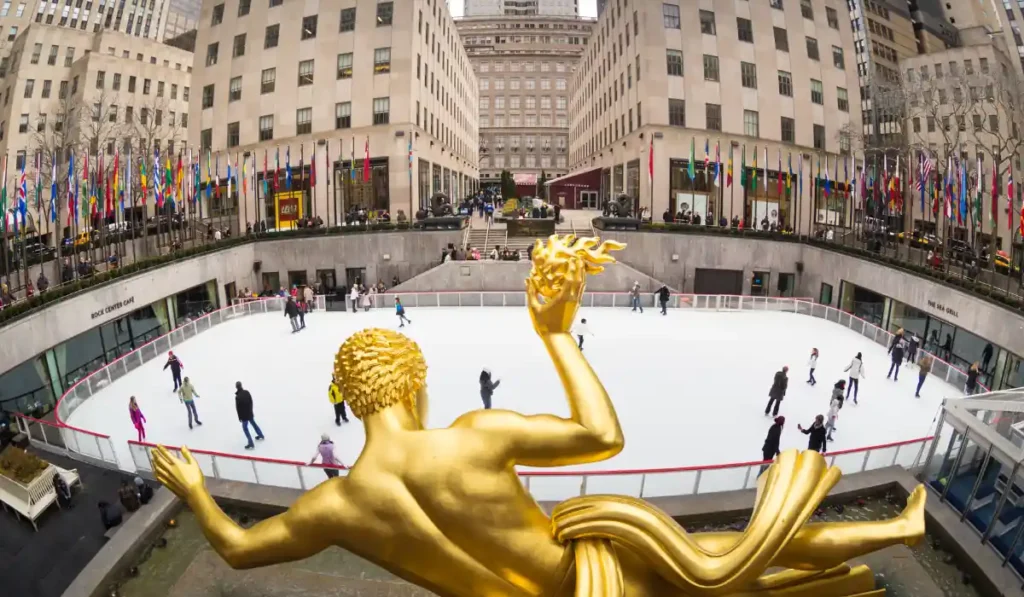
x: 187, y: 456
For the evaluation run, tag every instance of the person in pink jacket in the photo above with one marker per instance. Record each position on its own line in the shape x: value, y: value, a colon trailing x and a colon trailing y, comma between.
x: 138, y: 419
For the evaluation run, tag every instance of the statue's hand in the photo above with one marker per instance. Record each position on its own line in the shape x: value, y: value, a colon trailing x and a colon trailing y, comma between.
x: 556, y: 314
x: 181, y: 475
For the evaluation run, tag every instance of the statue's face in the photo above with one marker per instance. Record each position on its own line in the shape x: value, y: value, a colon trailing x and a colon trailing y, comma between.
x: 422, y: 405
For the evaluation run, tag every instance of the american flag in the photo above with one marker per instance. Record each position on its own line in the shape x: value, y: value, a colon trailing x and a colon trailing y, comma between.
x: 927, y: 165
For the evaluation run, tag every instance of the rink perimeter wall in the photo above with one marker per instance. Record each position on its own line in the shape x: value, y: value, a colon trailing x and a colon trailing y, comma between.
x: 490, y: 276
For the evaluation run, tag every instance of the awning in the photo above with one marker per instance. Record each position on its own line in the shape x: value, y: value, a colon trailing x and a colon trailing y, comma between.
x: 567, y: 179
x: 525, y: 179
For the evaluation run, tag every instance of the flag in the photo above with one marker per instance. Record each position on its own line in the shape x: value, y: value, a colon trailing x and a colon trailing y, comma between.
x: 846, y: 178
x: 789, y: 174
x: 926, y: 172
x: 216, y: 174
x: 53, y: 188
x: 158, y: 194
x: 179, y: 181
x: 728, y: 169
x: 117, y: 177
x: 994, y: 216
x: 766, y: 171
x: 22, y: 197
x: 209, y: 175
x: 266, y: 179
x: 277, y: 168
x: 707, y: 158
x: 949, y: 188
x: 978, y: 193
x: 245, y: 174
x: 39, y: 180
x: 800, y: 175
x: 1021, y: 225
x: 328, y: 147
x: 778, y: 184
x: 1009, y: 195
x: 168, y: 180
x: 743, y: 168
x: 302, y: 160
x: 753, y: 172
x: 128, y: 177
x: 3, y: 198
x: 828, y: 183
x: 718, y: 164
x: 352, y: 162
x: 312, y: 167
x: 229, y: 176
x: 690, y: 168
x: 288, y: 167
x: 650, y: 159
x: 143, y: 181
x: 963, y: 192
x: 366, y: 161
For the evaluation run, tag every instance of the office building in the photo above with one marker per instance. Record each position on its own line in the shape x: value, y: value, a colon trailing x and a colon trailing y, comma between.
x: 519, y: 8
x: 182, y: 17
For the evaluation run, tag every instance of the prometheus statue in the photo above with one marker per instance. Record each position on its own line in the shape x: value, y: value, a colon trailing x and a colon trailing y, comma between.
x: 444, y: 508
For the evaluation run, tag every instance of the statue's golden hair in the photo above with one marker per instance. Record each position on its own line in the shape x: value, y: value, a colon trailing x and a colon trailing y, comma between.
x: 377, y: 368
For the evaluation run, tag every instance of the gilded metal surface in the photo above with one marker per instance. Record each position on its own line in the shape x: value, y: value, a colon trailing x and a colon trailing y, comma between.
x: 444, y: 508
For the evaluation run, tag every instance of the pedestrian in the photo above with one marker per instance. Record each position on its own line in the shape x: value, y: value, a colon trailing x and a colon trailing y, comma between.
x: 947, y: 348
x: 110, y: 515
x: 291, y: 311
x: 986, y: 353
x: 325, y: 450
x: 176, y: 366
x: 60, y: 487
x: 334, y: 395
x: 129, y: 497
x: 912, y: 344
x: 582, y: 329
x: 818, y: 436
x: 634, y: 295
x: 770, y: 449
x: 856, y: 369
x: 367, y: 298
x: 243, y: 407
x: 42, y: 282
x: 971, y: 387
x: 924, y: 366
x: 487, y: 388
x: 138, y: 419
x: 144, y: 491
x: 897, y: 339
x: 897, y: 360
x: 187, y: 394
x: 308, y: 297
x: 663, y: 295
x: 777, y: 391
x: 812, y: 364
x: 834, y: 406
x: 353, y: 297
x: 400, y: 312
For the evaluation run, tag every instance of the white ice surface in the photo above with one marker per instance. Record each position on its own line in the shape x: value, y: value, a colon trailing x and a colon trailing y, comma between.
x: 690, y: 388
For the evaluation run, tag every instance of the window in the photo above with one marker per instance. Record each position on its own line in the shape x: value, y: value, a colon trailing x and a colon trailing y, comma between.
x: 305, y: 73
x: 144, y: 116
x: 968, y: 67
x: 69, y: 56
x: 806, y: 10
x: 381, y: 110
x: 146, y: 84
x: 100, y: 77
x: 983, y: 65
x: 238, y: 48
x: 131, y: 84
x: 837, y: 57
x: 385, y: 12
x: 41, y: 123
x: 266, y: 127
x: 74, y: 86
x: 345, y: 66
x: 303, y: 121
x: 788, y: 130
x: 785, y: 84
x: 211, y: 53
x: 819, y: 136
x: 37, y: 52
x: 817, y: 93
x: 713, y: 117
x: 268, y: 78
x: 270, y: 36
x: 751, y: 126
x: 781, y: 40
x: 184, y: 121
x: 977, y: 121
x: 308, y: 27
x: 842, y: 99
x: 348, y: 20
x: 12, y: 33
x: 675, y: 62
x: 235, y: 89
x: 218, y: 15
x: 676, y: 112
x: 205, y: 139
x: 159, y: 88
x: 710, y: 67
x: 744, y: 29
x: 670, y: 15
x: 993, y: 123
x: 812, y: 48
x: 917, y: 124
x: 382, y: 60
x: 208, y: 96
x: 776, y: 4
x: 233, y: 134
x: 46, y: 88
x: 116, y: 83
x: 243, y: 7
x: 30, y: 86
x: 748, y: 75
x: 343, y: 115
x: 52, y: 58
x: 23, y: 123
x: 63, y: 90
x: 707, y: 22
x: 170, y: 118
x: 128, y: 115
x: 832, y: 17
x: 159, y: 117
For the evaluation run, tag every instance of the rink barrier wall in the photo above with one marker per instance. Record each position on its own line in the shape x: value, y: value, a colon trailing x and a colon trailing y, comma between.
x: 98, y: 448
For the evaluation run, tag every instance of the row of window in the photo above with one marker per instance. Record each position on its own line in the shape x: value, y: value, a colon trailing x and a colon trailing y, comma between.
x: 516, y: 66
x: 112, y: 114
x: 751, y: 122
x: 671, y: 18
x: 527, y: 83
x: 147, y: 85
x: 954, y: 69
x: 498, y: 142
x: 529, y: 121
x: 527, y: 161
x: 385, y: 16
x: 529, y: 102
x: 978, y: 122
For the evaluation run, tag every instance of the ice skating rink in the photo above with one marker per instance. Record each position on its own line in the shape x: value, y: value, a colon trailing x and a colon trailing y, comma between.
x: 690, y: 388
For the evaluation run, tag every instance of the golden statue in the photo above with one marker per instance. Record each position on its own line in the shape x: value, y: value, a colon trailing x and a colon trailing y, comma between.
x: 444, y: 508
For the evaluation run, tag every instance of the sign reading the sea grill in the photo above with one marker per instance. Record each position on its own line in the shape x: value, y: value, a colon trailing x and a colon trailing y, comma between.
x: 114, y: 307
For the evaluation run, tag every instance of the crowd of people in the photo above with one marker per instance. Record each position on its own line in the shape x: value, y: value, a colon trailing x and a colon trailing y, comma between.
x: 131, y: 496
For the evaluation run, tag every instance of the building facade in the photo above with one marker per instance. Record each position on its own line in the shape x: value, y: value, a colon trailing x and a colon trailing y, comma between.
x: 519, y: 8
x: 773, y: 80
x: 358, y: 84
x: 523, y: 67
x: 182, y: 17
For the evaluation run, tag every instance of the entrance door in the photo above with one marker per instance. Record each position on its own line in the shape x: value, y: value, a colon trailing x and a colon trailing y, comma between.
x: 588, y: 199
x: 355, y: 275
x: 229, y: 291
x: 718, y: 281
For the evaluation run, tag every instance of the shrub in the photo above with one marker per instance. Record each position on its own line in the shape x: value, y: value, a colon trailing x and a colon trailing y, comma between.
x: 21, y: 466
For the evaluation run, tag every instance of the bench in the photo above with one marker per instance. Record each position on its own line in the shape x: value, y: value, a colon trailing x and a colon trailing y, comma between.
x: 30, y: 501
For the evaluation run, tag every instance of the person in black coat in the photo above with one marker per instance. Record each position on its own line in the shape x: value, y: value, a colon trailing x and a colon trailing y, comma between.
x: 897, y: 360
x: 291, y: 311
x: 663, y: 295
x: 986, y: 355
x: 897, y: 339
x: 487, y: 388
x: 175, y: 364
x: 778, y: 391
x: 243, y: 406
x: 818, y: 434
x: 912, y: 348
x: 971, y: 387
x: 110, y: 514
x: 770, y: 449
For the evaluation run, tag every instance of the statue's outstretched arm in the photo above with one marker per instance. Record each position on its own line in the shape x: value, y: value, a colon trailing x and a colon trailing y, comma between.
x: 298, y: 533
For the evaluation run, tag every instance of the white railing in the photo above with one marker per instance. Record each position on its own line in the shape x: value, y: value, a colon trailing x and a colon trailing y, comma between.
x: 715, y: 302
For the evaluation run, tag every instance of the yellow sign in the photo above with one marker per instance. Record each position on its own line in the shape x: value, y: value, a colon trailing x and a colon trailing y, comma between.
x: 287, y: 209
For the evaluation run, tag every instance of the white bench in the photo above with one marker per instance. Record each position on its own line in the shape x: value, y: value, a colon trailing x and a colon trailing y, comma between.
x: 30, y: 501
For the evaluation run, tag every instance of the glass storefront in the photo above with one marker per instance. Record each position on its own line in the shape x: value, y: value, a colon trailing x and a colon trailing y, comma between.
x: 868, y: 305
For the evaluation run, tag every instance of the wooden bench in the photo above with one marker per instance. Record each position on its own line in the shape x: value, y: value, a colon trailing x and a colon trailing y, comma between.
x: 30, y: 501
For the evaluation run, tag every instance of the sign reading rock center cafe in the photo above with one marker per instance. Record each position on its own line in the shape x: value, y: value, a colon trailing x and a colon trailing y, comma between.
x: 114, y: 307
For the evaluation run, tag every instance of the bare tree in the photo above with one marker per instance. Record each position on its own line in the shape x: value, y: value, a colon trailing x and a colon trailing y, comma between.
x: 155, y: 126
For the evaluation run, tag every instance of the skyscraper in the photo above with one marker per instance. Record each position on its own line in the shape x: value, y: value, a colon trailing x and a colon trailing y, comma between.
x: 494, y: 8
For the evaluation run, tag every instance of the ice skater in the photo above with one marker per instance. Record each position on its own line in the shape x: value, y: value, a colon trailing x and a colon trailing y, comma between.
x: 897, y: 360
x: 302, y: 306
x: 856, y: 370
x: 924, y: 367
x: 971, y: 387
x: 176, y: 366
x: 634, y: 297
x: 187, y: 394
x: 834, y: 406
x: 777, y: 391
x: 353, y: 297
x: 325, y: 450
x: 812, y: 364
x: 334, y: 395
x: 138, y: 419
x: 770, y: 449
x: 897, y: 339
x: 291, y: 311
x: 400, y: 312
x: 663, y: 295
x: 487, y: 388
x: 243, y: 407
x: 912, y: 343
x: 581, y: 329
x: 817, y: 440
x: 986, y: 355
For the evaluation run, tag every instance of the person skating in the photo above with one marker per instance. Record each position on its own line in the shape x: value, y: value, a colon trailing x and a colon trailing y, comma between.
x: 812, y: 364
x: 187, y: 394
x: 581, y: 329
x: 818, y: 436
x: 291, y: 311
x: 971, y: 387
x: 176, y: 366
x: 487, y: 388
x: 325, y: 451
x: 243, y: 407
x: 897, y: 360
x: 634, y: 297
x: 856, y: 370
x: 301, y: 306
x: 770, y: 449
x: 912, y: 345
x: 924, y: 366
x: 897, y: 339
x: 353, y: 296
x: 400, y: 312
x: 138, y: 419
x: 663, y: 295
x: 334, y: 395
x: 777, y: 391
x: 834, y: 406
x: 986, y: 354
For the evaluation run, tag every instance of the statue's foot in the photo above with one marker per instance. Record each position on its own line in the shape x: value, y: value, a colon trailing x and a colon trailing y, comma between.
x: 912, y: 518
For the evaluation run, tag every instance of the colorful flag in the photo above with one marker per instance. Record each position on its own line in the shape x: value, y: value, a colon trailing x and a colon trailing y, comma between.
x: 352, y: 162
x: 209, y: 175
x: 128, y: 177
x: 753, y: 172
x: 53, y: 188
x: 266, y: 179
x: 288, y: 167
x: 3, y: 198
x: 779, y: 172
x: 312, y: 167
x: 979, y: 192
x: 158, y: 194
x: 366, y: 161
x: 1009, y: 196
x: 994, y: 216
x: 766, y: 171
x: 277, y: 168
x: 690, y: 168
x: 728, y: 169
x: 789, y: 174
x: 245, y: 175
x: 743, y: 167
x: 22, y: 198
x: 718, y: 163
x: 707, y: 158
x: 650, y: 159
